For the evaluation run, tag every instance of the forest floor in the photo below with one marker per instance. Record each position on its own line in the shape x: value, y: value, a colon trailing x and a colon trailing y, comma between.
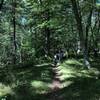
x: 68, y: 81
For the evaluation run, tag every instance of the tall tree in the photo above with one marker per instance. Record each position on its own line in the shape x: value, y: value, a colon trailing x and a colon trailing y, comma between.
x: 1, y: 4
x: 78, y: 18
x: 14, y: 30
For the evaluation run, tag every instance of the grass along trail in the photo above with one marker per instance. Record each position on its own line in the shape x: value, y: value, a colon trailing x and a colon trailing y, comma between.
x: 68, y: 81
x: 73, y: 81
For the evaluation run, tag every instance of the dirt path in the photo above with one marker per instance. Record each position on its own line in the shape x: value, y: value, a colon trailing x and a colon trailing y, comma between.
x: 56, y: 84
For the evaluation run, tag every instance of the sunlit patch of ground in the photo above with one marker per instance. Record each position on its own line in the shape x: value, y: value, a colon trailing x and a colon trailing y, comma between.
x: 74, y: 82
x: 40, y: 87
x: 72, y: 69
x: 5, y: 90
x: 73, y: 61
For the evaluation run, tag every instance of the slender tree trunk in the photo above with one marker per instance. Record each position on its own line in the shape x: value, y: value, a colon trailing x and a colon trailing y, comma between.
x: 98, y: 30
x: 79, y: 21
x: 81, y: 32
x: 47, y: 33
x: 20, y: 48
x: 93, y: 29
x: 87, y: 33
x: 1, y: 4
x: 14, y: 30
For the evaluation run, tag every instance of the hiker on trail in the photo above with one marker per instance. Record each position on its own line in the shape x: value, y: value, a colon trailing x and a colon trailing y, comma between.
x: 96, y: 52
x: 56, y: 58
x: 62, y: 54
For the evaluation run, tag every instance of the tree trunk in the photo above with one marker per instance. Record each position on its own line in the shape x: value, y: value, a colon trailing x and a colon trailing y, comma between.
x: 87, y: 33
x: 47, y: 38
x: 1, y: 4
x: 14, y: 31
x: 81, y: 32
x: 47, y: 32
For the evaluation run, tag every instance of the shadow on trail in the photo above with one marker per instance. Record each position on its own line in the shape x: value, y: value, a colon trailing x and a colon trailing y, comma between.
x: 80, y: 89
x: 83, y: 86
x: 42, y: 73
x: 30, y: 83
x: 96, y: 63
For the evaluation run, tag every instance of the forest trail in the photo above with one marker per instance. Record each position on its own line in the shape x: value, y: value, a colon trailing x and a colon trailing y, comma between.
x: 70, y: 80
x: 55, y: 85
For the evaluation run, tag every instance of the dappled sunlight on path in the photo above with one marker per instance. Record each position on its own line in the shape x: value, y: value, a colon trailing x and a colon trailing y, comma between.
x: 68, y: 81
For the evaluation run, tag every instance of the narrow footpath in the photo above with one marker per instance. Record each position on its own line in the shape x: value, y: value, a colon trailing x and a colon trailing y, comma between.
x: 56, y: 84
